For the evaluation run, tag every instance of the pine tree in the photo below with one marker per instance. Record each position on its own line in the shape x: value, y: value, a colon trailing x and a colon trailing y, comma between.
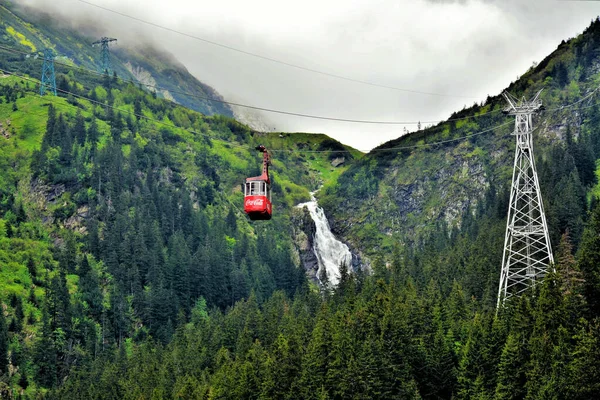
x: 93, y: 134
x: 59, y: 131
x: 511, y: 370
x: 584, y: 369
x: 571, y: 278
x: 440, y: 365
x: 324, y: 280
x: 3, y: 341
x: 89, y: 284
x: 280, y: 370
x: 78, y: 132
x: 471, y: 371
x: 315, y: 362
x: 179, y: 260
x: 58, y: 303
x: 45, y: 354
x: 17, y: 321
x: 231, y: 222
x: 549, y: 321
x: 589, y: 261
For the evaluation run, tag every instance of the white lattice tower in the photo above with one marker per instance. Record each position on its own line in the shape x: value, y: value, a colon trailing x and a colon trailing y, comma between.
x: 527, y: 249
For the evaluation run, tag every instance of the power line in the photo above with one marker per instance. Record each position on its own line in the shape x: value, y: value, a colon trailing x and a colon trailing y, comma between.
x: 443, y: 141
x: 120, y: 110
x: 576, y: 102
x: 288, y: 64
x: 224, y: 141
x: 296, y: 114
x: 279, y: 150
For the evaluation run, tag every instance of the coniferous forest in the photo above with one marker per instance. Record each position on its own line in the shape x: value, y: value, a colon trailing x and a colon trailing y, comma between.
x: 128, y: 270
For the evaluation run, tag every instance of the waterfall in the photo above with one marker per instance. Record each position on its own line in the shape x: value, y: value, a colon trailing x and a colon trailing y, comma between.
x: 330, y: 252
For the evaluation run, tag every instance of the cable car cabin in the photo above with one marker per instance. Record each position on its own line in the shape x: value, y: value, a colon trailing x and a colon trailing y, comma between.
x: 257, y: 199
x: 257, y: 192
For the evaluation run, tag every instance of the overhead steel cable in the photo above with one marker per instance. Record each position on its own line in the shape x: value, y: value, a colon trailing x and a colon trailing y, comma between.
x: 271, y: 59
x: 366, y: 152
x: 443, y: 141
x: 99, y: 103
x: 265, y: 109
x: 576, y: 102
x: 204, y: 134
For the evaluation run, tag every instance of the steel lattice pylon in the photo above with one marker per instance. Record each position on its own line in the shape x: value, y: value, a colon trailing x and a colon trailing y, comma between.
x: 105, y: 67
x: 527, y: 249
x: 48, y: 76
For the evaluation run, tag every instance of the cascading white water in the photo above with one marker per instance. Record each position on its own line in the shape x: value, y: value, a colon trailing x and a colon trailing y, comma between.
x: 330, y: 252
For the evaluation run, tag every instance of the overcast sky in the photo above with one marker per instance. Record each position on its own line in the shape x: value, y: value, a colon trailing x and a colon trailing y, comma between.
x: 465, y: 49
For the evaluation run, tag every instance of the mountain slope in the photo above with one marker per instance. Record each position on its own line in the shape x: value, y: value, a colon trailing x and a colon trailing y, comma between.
x: 403, y: 189
x: 29, y: 31
x: 123, y: 212
x: 128, y: 271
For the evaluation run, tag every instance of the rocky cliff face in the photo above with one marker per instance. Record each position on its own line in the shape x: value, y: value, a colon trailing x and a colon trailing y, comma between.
x: 304, y: 230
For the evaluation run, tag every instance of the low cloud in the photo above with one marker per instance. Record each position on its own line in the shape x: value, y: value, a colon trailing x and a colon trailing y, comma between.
x: 467, y: 49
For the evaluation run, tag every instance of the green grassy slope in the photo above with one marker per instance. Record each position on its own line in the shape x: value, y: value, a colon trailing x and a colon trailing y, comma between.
x: 298, y: 166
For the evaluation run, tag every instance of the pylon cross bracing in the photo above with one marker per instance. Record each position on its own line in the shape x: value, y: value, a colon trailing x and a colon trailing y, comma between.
x: 527, y: 249
x: 48, y: 76
x: 104, y: 43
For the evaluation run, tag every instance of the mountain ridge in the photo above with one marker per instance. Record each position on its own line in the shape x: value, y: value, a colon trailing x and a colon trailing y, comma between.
x: 75, y: 47
x: 395, y: 202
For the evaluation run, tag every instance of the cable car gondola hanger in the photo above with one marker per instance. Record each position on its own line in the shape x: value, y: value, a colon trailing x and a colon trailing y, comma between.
x: 257, y: 191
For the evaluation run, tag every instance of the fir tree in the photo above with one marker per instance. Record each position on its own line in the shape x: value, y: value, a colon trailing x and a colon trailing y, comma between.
x: 511, y: 369
x: 589, y: 261
x: 3, y: 342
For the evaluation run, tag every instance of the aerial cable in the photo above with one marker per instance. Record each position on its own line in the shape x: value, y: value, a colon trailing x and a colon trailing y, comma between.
x: 121, y: 110
x: 377, y: 149
x: 288, y: 64
x: 576, y: 102
x: 494, y: 128
x: 444, y: 141
x: 224, y: 141
x: 279, y: 150
x: 265, y: 109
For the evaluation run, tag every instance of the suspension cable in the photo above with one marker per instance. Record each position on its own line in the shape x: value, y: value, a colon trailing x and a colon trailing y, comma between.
x: 258, y: 108
x: 274, y: 60
x: 277, y: 150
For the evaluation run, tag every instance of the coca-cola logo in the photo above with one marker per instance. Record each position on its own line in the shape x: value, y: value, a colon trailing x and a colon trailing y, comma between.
x: 255, y: 202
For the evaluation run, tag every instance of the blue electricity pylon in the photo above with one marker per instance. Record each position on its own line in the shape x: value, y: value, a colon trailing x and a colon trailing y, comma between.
x: 48, y: 75
x: 105, y: 66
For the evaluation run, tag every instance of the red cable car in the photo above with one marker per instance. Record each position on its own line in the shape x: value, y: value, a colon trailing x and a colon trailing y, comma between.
x: 257, y: 191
